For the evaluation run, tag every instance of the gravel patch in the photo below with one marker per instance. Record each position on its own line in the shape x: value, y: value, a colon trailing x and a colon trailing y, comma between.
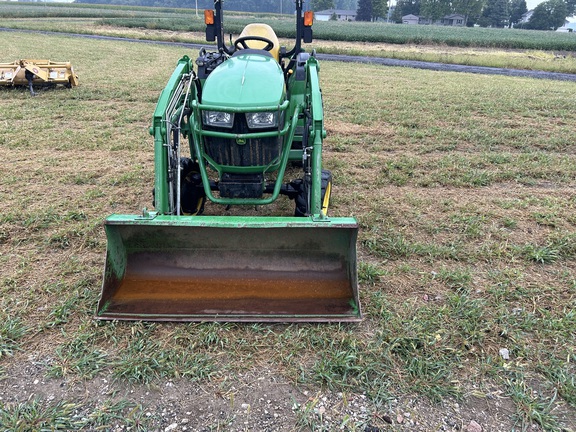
x: 254, y: 401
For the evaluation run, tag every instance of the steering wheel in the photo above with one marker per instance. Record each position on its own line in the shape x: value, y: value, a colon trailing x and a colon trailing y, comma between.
x: 240, y: 43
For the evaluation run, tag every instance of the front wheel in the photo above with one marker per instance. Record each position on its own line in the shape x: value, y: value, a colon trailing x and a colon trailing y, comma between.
x: 192, y: 196
x: 302, y: 204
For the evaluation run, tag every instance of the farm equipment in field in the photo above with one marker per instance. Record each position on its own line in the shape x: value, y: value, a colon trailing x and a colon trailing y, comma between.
x: 249, y: 111
x: 29, y: 72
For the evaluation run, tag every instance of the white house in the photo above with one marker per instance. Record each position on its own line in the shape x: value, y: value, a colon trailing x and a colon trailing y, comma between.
x: 410, y: 19
x: 340, y: 14
x: 453, y: 20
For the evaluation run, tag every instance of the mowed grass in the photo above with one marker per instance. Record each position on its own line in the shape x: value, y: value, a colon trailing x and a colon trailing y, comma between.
x: 463, y: 186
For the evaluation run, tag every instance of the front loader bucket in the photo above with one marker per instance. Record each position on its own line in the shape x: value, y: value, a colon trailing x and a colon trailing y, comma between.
x: 206, y: 268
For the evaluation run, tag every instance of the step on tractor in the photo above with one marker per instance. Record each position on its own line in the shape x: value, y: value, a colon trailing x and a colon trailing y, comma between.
x: 228, y: 128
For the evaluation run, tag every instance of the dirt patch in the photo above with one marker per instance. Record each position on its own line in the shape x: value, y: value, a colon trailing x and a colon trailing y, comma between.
x: 253, y: 401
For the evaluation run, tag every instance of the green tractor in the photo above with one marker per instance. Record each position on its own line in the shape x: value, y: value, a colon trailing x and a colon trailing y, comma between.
x: 249, y: 112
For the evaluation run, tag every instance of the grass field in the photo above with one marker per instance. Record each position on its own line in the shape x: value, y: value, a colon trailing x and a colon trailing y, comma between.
x: 463, y: 186
x: 173, y: 19
x: 383, y: 33
x: 509, y: 48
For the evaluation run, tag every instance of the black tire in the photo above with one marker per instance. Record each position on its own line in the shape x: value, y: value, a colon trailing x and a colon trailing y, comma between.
x: 301, y: 199
x: 192, y: 195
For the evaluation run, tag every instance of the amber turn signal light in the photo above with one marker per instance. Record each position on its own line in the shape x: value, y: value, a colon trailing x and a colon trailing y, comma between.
x: 308, y: 18
x: 208, y: 17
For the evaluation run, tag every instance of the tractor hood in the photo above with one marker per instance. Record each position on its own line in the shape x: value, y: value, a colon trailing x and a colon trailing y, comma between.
x: 246, y: 80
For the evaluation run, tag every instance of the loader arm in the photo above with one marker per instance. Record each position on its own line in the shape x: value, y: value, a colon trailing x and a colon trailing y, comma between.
x: 317, y: 134
x: 170, y: 102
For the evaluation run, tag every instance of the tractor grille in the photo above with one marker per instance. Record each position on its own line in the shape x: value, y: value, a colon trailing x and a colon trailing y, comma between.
x: 254, y: 152
x: 260, y: 151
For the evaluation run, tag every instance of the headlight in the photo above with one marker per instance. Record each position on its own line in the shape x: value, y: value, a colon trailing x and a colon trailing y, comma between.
x: 218, y: 119
x: 259, y: 120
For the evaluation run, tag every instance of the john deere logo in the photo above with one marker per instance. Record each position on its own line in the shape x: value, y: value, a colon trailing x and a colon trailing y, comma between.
x: 240, y: 141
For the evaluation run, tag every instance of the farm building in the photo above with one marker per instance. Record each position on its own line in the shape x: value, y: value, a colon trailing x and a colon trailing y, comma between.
x: 454, y: 20
x: 340, y: 14
x: 410, y: 19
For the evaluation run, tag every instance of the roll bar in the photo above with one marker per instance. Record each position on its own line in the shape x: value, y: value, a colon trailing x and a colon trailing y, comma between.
x: 215, y: 28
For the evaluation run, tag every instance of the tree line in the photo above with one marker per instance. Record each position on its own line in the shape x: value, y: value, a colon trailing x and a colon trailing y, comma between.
x: 548, y: 15
x: 265, y: 6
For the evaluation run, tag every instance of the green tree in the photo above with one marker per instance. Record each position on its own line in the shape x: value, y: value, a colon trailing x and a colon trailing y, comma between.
x: 408, y: 7
x: 435, y: 9
x: 571, y: 5
x: 548, y: 15
x: 346, y: 4
x: 471, y: 9
x: 517, y: 9
x: 495, y: 14
x: 364, y: 11
x: 319, y: 5
x: 379, y: 9
x: 405, y: 7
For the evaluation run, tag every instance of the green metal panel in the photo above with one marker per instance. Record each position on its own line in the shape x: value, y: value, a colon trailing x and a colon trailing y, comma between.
x: 231, y: 221
x: 317, y: 134
x: 245, y: 81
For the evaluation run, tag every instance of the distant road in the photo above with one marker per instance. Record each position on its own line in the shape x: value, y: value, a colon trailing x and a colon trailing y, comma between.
x: 450, y: 67
x: 350, y: 59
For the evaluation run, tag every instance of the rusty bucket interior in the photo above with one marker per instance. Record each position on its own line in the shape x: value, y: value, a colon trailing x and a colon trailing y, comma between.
x: 207, y: 268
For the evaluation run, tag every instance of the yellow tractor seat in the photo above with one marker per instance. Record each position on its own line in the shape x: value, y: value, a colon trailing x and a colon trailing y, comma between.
x: 262, y: 30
